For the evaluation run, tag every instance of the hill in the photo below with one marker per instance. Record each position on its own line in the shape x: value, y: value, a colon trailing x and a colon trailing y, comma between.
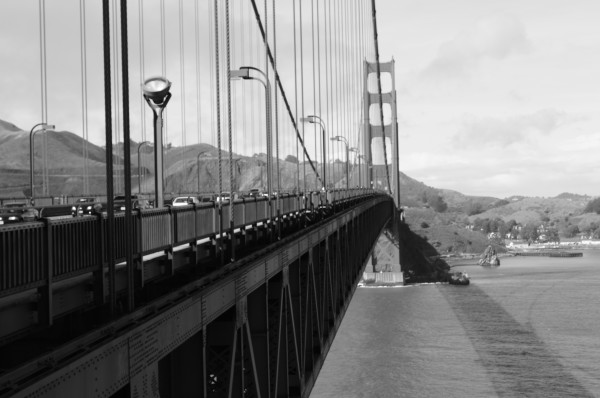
x: 64, y: 160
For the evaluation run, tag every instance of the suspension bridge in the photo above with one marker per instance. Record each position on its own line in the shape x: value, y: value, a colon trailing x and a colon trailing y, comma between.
x: 279, y: 113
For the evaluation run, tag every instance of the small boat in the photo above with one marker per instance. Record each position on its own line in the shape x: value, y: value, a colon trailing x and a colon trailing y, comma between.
x: 459, y: 278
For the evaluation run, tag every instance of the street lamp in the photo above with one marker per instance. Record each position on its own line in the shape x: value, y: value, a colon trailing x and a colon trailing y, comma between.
x: 317, y: 120
x: 139, y: 165
x: 244, y: 74
x: 157, y: 95
x: 345, y: 141
x: 34, y: 129
x: 360, y: 169
x: 358, y: 155
x: 198, y: 167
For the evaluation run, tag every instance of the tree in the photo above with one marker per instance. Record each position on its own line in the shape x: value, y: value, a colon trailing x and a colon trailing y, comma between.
x: 593, y: 206
x: 552, y: 235
x: 474, y: 208
x: 438, y: 204
x: 291, y: 159
x: 571, y: 231
x: 530, y: 232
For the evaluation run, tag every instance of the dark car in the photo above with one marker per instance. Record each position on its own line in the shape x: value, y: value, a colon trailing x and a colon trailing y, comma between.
x: 12, y: 213
x: 83, y: 206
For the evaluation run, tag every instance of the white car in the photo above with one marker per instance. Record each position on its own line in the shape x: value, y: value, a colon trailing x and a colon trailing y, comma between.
x: 186, y: 200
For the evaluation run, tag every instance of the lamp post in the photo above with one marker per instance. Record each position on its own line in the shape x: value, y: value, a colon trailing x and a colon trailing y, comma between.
x: 139, y: 165
x: 317, y: 120
x: 355, y: 150
x: 198, y: 167
x: 360, y: 169
x: 34, y: 129
x: 244, y: 74
x: 157, y: 95
x: 345, y: 141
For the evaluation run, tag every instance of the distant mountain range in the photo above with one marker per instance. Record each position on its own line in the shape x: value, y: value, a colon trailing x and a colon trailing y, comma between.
x: 65, y: 164
x: 183, y: 166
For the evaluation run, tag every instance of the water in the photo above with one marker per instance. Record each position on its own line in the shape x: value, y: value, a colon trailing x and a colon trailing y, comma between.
x: 530, y: 328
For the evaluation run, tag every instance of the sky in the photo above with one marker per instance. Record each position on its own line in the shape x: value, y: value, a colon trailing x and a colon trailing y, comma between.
x: 493, y: 98
x: 497, y: 98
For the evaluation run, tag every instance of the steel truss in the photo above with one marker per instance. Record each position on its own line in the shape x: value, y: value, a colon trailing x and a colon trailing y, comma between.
x: 262, y: 331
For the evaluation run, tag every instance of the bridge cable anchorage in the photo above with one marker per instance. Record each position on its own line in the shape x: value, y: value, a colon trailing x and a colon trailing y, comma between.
x: 280, y: 86
x: 374, y: 13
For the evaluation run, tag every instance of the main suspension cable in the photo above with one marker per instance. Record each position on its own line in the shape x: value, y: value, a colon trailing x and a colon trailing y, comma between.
x: 387, y: 174
x: 280, y: 86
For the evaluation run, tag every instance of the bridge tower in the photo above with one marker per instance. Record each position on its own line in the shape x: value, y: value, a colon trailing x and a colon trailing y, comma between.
x: 377, y: 130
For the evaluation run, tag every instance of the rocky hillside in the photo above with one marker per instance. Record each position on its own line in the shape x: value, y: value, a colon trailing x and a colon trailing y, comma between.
x: 65, y: 165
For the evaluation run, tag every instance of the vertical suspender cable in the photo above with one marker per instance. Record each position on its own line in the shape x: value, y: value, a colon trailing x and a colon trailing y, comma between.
x: 84, y: 107
x: 120, y: 176
x: 313, y: 78
x: 127, y: 159
x: 44, y: 91
x: 182, y: 79
x: 218, y: 95
x: 163, y: 52
x: 387, y: 173
x: 321, y: 130
x: 269, y: 122
x: 213, y: 41
x: 302, y: 92
x: 230, y: 133
x: 296, y: 96
x: 326, y: 39
x: 110, y: 224
x: 197, y: 47
x: 142, y: 68
x: 276, y: 124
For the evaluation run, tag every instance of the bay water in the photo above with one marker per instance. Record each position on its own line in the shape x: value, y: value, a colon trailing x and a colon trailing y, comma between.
x: 529, y: 328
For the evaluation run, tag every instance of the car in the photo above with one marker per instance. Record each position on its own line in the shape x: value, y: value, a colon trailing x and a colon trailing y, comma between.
x: 12, y: 213
x: 136, y: 203
x: 185, y: 200
x: 207, y: 197
x: 254, y: 193
x: 83, y: 206
x: 225, y: 197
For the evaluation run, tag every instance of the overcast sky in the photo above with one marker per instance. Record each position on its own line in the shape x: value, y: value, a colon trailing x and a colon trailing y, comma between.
x: 495, y: 98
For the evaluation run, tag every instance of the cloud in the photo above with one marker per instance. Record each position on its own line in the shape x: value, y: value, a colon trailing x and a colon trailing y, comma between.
x: 504, y: 132
x: 494, y: 37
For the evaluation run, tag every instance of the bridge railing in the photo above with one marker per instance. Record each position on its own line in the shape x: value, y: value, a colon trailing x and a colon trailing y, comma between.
x: 68, y: 247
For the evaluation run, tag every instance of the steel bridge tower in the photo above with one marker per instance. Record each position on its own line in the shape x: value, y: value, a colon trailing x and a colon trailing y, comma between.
x: 376, y: 130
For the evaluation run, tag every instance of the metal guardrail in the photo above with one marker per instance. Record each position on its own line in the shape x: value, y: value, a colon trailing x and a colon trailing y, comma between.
x: 30, y: 251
